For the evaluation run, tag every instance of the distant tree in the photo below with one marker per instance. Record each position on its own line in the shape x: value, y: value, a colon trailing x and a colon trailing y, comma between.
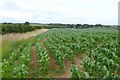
x: 78, y: 25
x: 26, y: 23
x: 98, y: 25
x: 71, y: 26
x: 4, y: 23
x: 9, y: 23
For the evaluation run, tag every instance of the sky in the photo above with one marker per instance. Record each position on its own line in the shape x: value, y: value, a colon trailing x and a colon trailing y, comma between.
x: 119, y: 13
x: 60, y: 11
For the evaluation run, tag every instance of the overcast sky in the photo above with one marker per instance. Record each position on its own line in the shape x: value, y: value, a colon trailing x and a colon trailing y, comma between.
x: 60, y: 11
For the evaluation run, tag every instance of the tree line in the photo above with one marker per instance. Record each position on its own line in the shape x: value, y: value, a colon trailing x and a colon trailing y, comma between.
x: 25, y: 27
x: 17, y: 28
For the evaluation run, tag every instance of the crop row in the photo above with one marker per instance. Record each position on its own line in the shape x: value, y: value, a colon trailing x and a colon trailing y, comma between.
x: 17, y: 65
x: 100, y: 48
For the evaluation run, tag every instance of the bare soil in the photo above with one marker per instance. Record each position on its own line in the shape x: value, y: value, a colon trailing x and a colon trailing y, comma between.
x: 67, y: 73
x: 34, y: 62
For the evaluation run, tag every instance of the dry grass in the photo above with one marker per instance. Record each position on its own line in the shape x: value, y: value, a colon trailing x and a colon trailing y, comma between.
x: 9, y: 40
x: 19, y: 36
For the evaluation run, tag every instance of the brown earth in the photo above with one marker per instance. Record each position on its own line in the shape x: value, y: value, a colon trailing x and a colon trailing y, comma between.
x: 77, y: 62
x: 34, y: 61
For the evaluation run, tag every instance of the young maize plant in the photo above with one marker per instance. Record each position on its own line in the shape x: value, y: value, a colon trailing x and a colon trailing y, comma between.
x: 75, y: 73
x: 43, y: 59
x: 18, y: 64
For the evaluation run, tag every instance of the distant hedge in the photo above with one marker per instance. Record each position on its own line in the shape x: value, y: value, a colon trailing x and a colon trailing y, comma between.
x: 25, y: 27
x: 17, y: 28
x: 22, y: 28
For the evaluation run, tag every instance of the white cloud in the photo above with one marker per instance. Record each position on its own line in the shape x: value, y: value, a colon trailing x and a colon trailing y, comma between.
x: 62, y: 11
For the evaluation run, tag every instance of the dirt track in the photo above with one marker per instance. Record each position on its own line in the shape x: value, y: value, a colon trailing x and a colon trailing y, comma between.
x: 19, y: 36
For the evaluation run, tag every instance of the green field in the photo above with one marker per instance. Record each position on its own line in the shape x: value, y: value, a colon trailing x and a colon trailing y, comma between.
x: 65, y: 53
